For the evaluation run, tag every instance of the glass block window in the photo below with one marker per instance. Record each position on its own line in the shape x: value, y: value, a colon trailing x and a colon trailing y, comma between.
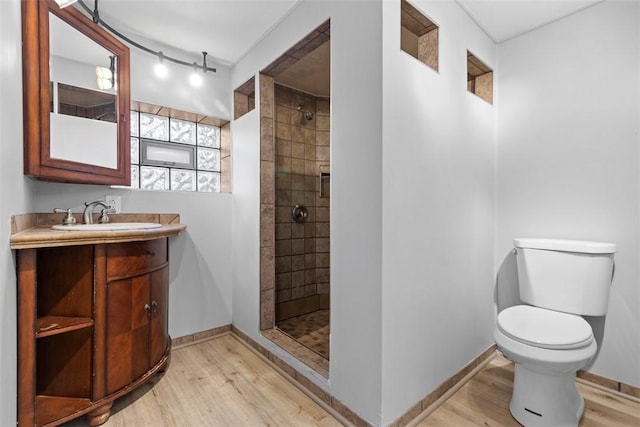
x: 134, y: 123
x: 135, y: 151
x: 182, y: 131
x: 154, y: 127
x: 152, y: 178
x: 208, y: 159
x: 209, y: 182
x: 174, y: 154
x: 208, y: 136
x: 135, y: 176
x: 183, y: 180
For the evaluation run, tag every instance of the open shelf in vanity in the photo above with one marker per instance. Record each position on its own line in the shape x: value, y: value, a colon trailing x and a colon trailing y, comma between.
x: 64, y: 307
x: 92, y: 318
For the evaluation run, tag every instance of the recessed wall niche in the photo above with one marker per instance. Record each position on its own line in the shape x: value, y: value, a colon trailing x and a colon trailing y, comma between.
x: 479, y: 78
x: 418, y: 35
x: 244, y: 98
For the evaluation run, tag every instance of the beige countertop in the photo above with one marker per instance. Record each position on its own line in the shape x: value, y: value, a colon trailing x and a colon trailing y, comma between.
x: 34, y: 230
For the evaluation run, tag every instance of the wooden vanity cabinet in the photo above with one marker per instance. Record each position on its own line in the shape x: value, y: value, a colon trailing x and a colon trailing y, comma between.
x: 92, y: 326
x: 136, y: 320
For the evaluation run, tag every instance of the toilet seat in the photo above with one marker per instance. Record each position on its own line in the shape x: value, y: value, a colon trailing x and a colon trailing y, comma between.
x: 544, y: 328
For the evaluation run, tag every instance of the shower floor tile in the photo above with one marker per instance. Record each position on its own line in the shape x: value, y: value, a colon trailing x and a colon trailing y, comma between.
x: 311, y: 330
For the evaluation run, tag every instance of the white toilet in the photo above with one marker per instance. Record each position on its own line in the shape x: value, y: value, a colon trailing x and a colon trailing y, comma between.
x: 548, y: 340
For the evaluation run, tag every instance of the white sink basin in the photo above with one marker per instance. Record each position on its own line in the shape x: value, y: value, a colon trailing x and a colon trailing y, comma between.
x: 108, y: 226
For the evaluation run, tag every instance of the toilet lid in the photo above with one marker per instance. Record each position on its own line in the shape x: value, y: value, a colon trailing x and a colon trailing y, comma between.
x: 544, y: 328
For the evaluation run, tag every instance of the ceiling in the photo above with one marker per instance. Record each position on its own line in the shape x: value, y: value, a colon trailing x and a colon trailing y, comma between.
x: 506, y: 19
x: 225, y: 29
x: 228, y: 29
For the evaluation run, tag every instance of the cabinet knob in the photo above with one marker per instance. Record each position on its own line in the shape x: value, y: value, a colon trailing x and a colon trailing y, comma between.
x: 147, y: 308
x: 154, y: 307
x: 152, y: 253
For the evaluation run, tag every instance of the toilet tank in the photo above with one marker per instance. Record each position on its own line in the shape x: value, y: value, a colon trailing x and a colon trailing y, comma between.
x: 565, y: 275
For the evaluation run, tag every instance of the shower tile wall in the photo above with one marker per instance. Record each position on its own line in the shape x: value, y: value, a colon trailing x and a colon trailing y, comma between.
x: 267, y: 203
x: 302, y: 250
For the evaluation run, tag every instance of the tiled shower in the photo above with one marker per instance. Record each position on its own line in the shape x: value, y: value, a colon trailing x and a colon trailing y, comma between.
x: 302, y: 178
x: 295, y: 197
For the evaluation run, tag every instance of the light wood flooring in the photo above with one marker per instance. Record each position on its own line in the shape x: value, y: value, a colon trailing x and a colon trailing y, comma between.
x: 484, y: 401
x: 221, y: 382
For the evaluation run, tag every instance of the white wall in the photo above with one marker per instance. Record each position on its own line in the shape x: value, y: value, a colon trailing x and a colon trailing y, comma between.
x: 15, y: 196
x: 438, y: 209
x: 213, y: 98
x: 245, y: 227
x: 569, y: 156
x: 200, y: 260
x: 356, y: 126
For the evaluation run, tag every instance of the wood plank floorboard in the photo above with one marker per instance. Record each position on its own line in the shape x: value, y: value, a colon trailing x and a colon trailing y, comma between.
x: 221, y: 383
x: 217, y: 383
x: 484, y: 401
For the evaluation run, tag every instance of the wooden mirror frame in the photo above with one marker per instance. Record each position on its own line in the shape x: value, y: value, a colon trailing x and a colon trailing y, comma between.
x: 38, y: 163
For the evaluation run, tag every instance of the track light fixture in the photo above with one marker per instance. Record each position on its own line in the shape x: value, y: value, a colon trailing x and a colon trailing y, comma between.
x: 95, y: 15
x: 204, y: 61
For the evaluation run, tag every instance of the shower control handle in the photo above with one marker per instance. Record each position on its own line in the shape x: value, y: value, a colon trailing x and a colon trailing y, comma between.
x: 299, y: 213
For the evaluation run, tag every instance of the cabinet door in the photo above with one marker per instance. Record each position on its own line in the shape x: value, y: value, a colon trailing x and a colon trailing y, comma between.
x: 136, y: 310
x: 127, y: 335
x: 159, y: 333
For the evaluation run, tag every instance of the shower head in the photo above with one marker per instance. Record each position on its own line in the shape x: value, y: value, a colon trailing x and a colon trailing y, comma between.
x: 306, y: 113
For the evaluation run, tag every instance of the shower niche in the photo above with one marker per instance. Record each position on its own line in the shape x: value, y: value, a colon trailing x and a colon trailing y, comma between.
x: 295, y: 199
x: 325, y: 184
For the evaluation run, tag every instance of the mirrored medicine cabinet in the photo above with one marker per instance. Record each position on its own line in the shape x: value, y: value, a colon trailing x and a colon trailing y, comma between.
x: 76, y: 98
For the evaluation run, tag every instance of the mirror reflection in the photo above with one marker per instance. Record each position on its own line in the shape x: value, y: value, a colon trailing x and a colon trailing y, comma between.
x: 83, y: 109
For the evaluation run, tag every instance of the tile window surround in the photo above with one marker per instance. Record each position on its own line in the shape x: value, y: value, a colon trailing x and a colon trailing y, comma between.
x: 244, y: 98
x: 419, y: 35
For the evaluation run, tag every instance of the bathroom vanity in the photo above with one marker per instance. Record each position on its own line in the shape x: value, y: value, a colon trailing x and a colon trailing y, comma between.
x: 92, y: 315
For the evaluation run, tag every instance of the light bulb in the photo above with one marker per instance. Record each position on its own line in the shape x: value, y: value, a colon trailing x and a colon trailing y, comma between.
x: 161, y: 70
x: 104, y: 78
x: 103, y: 73
x: 104, y: 84
x: 195, y: 79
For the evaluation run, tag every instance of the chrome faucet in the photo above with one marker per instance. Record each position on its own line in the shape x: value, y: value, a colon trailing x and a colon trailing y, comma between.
x: 88, y: 212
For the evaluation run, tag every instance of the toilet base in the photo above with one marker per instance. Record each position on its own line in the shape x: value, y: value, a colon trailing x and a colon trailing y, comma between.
x: 545, y: 400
